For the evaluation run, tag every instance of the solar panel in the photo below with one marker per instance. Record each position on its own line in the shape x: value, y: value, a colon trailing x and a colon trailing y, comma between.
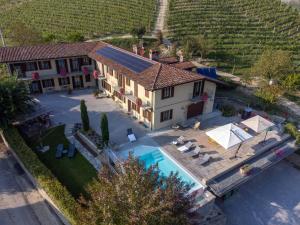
x: 131, y: 62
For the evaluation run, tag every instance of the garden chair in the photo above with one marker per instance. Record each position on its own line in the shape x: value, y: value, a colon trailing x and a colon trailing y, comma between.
x: 131, y: 135
x: 186, y: 147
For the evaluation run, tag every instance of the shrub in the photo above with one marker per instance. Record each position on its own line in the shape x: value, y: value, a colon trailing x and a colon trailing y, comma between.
x: 43, y: 176
x: 228, y: 110
x: 104, y: 129
x: 293, y: 131
x: 84, y: 116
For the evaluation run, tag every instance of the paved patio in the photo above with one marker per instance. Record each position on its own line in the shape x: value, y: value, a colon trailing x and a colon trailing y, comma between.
x: 221, y: 160
x: 65, y: 109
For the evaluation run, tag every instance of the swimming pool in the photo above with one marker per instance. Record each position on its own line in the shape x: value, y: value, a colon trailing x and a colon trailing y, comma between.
x: 152, y: 155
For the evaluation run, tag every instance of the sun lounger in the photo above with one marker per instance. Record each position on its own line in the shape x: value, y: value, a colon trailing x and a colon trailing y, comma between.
x: 59, y: 151
x: 131, y: 135
x: 179, y: 141
x: 196, y: 152
x: 204, y: 159
x: 186, y: 147
x: 71, y: 151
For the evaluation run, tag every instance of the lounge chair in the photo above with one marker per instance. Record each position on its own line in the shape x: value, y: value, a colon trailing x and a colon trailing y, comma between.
x: 196, y: 152
x: 186, y: 147
x: 131, y: 135
x: 204, y: 159
x: 71, y: 151
x: 59, y: 151
x: 179, y: 141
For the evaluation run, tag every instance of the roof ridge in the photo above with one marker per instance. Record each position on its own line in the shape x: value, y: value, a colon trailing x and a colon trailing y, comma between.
x: 156, y: 77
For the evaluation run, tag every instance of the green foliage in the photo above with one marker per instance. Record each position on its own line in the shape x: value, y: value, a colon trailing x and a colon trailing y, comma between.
x: 240, y: 28
x: 197, y: 46
x: 137, y: 196
x: 293, y: 131
x: 269, y: 94
x: 138, y: 32
x: 75, y: 37
x: 291, y: 82
x: 21, y: 34
x: 84, y: 116
x: 273, y: 65
x: 14, y: 99
x: 228, y: 110
x: 91, y: 18
x: 104, y: 129
x: 45, y: 179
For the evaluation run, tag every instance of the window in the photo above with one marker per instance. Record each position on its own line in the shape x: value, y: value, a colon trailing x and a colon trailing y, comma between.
x: 86, y: 61
x: 44, y: 65
x: 31, y: 66
x: 167, y: 92
x: 197, y: 89
x: 147, y: 94
x: 64, y: 81
x: 166, y: 115
x: 48, y: 83
x: 75, y: 65
x: 88, y: 78
x: 147, y: 115
x: 127, y: 81
x: 61, y: 64
x: 106, y: 86
x: 110, y: 71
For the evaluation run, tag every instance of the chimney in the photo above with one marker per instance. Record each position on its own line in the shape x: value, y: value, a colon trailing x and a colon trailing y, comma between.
x: 135, y: 49
x: 142, y: 51
x: 181, y: 59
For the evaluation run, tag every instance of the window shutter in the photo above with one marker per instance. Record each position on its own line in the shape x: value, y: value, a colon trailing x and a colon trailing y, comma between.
x: 172, y: 91
x: 161, y: 116
x: 163, y: 93
x: 68, y: 80
x: 59, y: 81
x: 57, y: 66
x: 66, y: 65
x: 171, y: 114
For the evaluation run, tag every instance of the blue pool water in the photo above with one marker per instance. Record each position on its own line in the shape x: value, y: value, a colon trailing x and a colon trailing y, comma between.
x: 152, y: 155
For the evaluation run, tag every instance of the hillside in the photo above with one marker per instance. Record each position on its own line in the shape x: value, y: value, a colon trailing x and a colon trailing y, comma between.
x: 239, y: 29
x: 89, y: 17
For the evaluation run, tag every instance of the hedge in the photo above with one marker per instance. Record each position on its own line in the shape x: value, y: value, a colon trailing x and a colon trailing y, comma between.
x: 293, y: 131
x: 44, y: 177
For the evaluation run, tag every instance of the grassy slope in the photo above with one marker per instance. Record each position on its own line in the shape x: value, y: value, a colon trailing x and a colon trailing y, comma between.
x: 74, y: 173
x: 239, y: 29
x: 90, y: 17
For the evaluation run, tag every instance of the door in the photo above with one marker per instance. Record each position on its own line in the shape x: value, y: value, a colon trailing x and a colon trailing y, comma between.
x: 195, y: 110
x: 36, y: 87
x: 77, y: 82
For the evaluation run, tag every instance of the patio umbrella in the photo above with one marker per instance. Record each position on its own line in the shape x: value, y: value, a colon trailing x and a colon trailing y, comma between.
x: 228, y: 135
x: 258, y: 124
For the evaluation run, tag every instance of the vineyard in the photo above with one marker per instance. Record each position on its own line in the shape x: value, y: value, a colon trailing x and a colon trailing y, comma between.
x: 238, y: 29
x: 88, y: 17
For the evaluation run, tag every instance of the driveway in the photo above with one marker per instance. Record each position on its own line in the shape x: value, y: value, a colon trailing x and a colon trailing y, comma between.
x: 66, y: 109
x: 272, y: 198
x: 20, y: 203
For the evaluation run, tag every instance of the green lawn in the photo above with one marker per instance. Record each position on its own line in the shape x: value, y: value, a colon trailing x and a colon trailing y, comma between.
x: 74, y: 173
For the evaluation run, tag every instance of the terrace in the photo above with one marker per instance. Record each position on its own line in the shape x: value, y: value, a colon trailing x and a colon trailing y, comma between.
x: 222, y: 172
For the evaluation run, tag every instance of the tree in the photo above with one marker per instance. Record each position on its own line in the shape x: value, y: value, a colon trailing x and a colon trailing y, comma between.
x: 138, y: 32
x: 269, y: 94
x: 136, y: 196
x: 197, y: 46
x: 21, y: 34
x: 272, y: 65
x: 104, y: 129
x: 84, y: 116
x: 15, y: 99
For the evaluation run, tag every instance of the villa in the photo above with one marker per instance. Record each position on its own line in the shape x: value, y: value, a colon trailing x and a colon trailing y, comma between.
x: 157, y: 94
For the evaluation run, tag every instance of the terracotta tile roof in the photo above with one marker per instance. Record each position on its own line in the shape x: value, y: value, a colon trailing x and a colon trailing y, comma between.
x: 156, y: 77
x: 168, y: 60
x: 184, y: 65
x: 46, y: 51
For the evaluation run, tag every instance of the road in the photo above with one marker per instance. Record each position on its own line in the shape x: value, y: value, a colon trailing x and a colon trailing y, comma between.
x: 272, y: 198
x: 20, y: 202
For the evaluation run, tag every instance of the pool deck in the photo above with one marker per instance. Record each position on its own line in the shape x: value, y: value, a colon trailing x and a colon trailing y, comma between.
x: 221, y: 173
